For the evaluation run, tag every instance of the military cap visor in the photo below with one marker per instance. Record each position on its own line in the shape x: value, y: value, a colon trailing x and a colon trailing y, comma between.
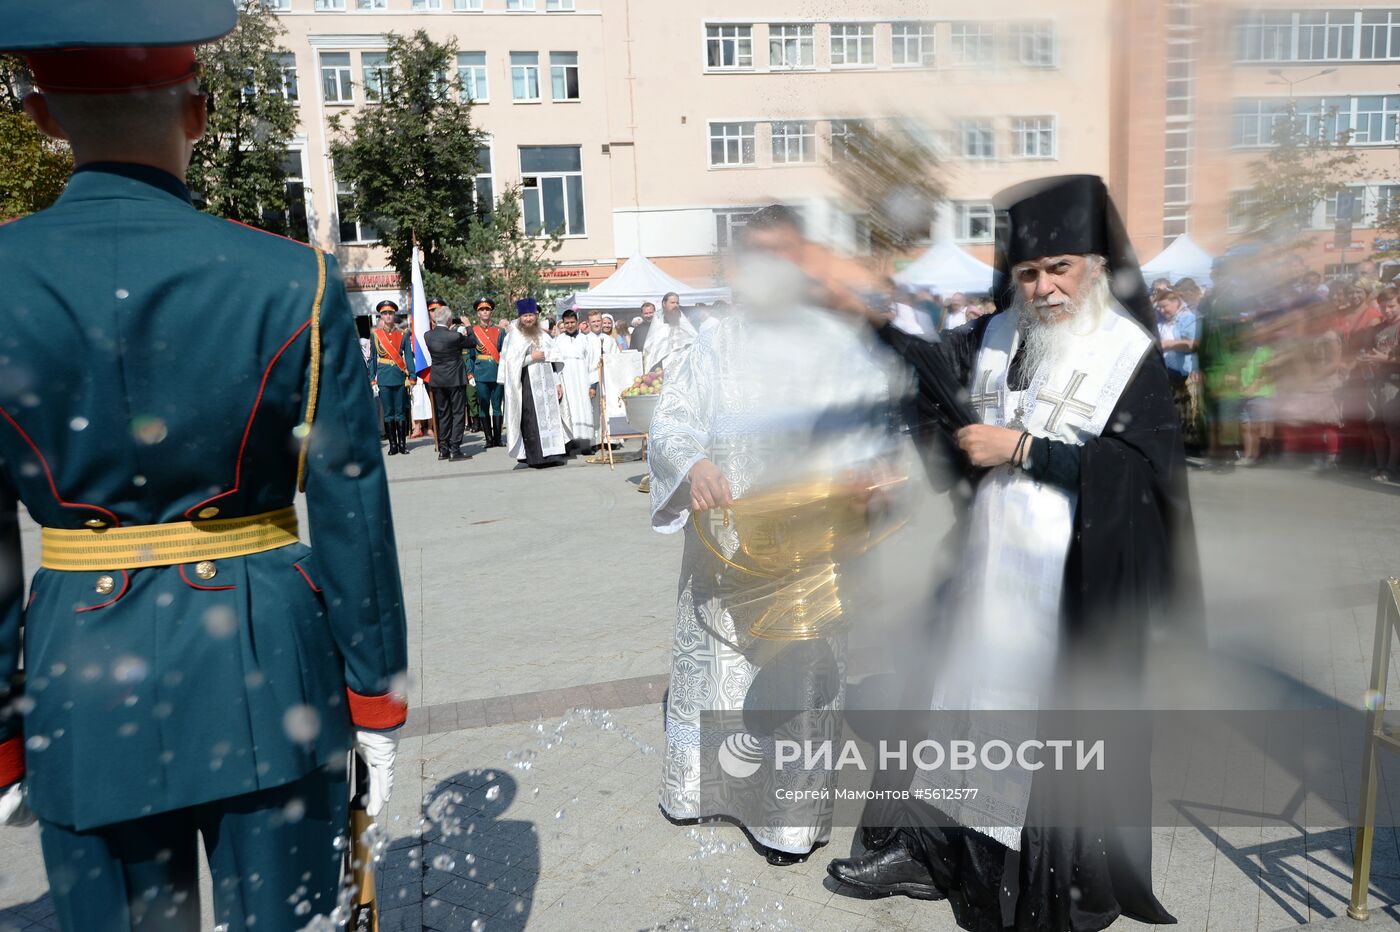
x: 112, y: 46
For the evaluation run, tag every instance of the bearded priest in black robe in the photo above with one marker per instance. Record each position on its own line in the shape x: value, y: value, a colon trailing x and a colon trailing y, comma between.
x: 1077, y: 550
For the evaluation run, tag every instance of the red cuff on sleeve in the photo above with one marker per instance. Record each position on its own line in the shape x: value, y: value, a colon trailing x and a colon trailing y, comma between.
x: 11, y: 761
x: 376, y: 712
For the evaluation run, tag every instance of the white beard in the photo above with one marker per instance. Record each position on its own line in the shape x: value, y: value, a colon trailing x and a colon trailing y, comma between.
x: 1049, y: 342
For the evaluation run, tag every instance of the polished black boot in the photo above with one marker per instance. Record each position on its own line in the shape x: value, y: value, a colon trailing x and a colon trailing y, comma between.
x: 392, y: 429
x: 403, y: 438
x: 891, y: 871
x: 496, y: 425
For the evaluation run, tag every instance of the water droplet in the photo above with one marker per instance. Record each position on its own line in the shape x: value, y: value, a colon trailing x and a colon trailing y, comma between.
x: 303, y: 908
x: 1373, y: 699
x: 37, y: 743
x: 138, y: 481
x: 495, y: 792
x: 302, y: 724
x: 78, y: 423
x: 301, y: 431
x: 148, y: 430
x: 444, y: 862
x: 559, y: 814
x: 123, y: 294
x: 220, y: 621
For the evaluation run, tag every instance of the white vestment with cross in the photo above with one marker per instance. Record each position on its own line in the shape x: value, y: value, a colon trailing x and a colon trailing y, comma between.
x: 1001, y: 644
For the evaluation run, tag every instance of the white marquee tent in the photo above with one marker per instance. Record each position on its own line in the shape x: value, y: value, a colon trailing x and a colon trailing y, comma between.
x: 947, y: 269
x: 1182, y: 259
x: 639, y: 281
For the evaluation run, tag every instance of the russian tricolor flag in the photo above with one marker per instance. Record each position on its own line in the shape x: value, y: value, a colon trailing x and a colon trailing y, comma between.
x: 422, y: 361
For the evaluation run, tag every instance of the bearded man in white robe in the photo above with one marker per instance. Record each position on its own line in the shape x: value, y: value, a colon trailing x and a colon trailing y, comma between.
x: 732, y: 421
x: 671, y: 333
x: 578, y: 350
x: 536, y: 418
x: 1077, y: 547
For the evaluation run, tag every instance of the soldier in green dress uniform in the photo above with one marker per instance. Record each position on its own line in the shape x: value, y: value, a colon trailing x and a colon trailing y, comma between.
x: 485, y: 366
x: 191, y: 670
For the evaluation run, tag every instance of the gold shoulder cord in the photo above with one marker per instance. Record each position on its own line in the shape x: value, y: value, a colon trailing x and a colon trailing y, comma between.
x: 314, y: 388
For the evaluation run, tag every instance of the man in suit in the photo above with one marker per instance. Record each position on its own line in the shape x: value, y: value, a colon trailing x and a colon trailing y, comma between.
x: 639, y: 332
x: 485, y: 358
x: 448, y: 382
x: 191, y: 668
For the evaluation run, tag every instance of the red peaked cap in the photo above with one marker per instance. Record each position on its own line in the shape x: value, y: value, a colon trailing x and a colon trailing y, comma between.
x: 112, y: 70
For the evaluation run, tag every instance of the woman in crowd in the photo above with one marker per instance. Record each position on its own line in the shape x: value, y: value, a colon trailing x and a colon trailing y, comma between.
x: 612, y: 330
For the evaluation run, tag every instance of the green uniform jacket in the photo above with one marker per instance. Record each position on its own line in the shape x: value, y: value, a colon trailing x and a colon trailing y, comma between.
x: 153, y: 368
x: 479, y: 363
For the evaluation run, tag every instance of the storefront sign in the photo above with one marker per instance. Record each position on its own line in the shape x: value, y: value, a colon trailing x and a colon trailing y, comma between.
x: 373, y: 281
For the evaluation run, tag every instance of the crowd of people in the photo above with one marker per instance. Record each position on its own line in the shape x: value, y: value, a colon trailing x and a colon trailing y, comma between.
x: 530, y: 385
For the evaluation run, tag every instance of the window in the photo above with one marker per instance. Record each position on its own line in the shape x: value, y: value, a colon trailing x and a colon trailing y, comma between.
x: 731, y: 143
x: 913, y: 45
x: 1242, y: 205
x: 1254, y: 121
x: 1264, y: 36
x: 471, y: 70
x: 846, y: 139
x: 292, y: 221
x: 1387, y: 203
x: 1358, y: 206
x: 467, y: 6
x: 1380, y: 35
x: 552, y: 185
x: 485, y: 183
x: 427, y: 6
x: 1339, y: 271
x: 377, y: 75
x: 1033, y: 44
x: 791, y: 47
x: 1033, y: 137
x: 1376, y: 118
x: 520, y: 6
x: 974, y: 221
x: 559, y: 6
x: 370, y: 5
x: 852, y: 45
x: 728, y: 47
x: 1180, y: 78
x: 563, y: 75
x: 352, y: 231
x: 330, y: 5
x: 728, y: 223
x: 794, y: 141
x: 278, y: 6
x: 1321, y: 117
x: 336, y: 83
x: 973, y: 44
x: 978, y: 140
x: 525, y: 75
x: 287, y: 64
x: 1326, y: 35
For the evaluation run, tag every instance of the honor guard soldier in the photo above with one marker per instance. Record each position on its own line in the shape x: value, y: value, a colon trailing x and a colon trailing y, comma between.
x: 485, y: 367
x: 393, y: 373
x: 190, y: 667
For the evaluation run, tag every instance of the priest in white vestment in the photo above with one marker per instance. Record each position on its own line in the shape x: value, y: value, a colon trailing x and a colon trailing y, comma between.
x: 578, y: 350
x: 536, y: 418
x: 670, y: 334
x: 751, y: 406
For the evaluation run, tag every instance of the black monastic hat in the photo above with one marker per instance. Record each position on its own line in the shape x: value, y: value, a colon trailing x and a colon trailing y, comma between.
x: 1067, y: 215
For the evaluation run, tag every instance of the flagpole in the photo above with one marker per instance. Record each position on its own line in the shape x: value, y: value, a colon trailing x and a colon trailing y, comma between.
x: 417, y: 284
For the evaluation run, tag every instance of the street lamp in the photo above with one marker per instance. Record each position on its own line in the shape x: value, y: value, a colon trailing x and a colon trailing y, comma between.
x: 1291, y: 82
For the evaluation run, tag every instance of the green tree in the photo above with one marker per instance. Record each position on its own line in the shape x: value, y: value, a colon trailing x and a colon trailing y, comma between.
x: 411, y: 156
x: 497, y: 259
x: 33, y: 167
x: 1308, y: 161
x: 238, y: 167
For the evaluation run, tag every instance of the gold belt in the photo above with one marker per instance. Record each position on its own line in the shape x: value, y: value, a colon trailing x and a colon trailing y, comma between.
x: 133, y: 548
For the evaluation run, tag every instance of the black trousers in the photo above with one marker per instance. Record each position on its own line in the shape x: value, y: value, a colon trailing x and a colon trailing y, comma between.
x: 450, y: 403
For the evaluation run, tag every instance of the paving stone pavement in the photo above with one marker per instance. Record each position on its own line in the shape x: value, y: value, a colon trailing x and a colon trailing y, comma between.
x: 532, y: 594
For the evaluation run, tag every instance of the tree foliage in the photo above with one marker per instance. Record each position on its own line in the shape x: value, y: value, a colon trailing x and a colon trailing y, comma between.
x: 496, y: 259
x: 412, y: 157
x: 238, y: 167
x: 33, y: 167
x: 1302, y: 167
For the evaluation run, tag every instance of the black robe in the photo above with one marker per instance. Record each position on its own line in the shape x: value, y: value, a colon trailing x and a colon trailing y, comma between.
x: 1132, y: 571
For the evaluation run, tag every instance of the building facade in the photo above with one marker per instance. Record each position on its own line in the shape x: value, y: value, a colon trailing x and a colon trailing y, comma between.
x: 657, y: 129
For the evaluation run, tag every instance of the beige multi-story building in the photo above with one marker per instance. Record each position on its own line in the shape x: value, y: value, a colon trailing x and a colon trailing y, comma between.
x: 657, y: 128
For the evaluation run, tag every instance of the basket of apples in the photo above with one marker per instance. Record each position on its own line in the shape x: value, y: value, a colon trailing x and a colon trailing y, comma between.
x: 640, y: 400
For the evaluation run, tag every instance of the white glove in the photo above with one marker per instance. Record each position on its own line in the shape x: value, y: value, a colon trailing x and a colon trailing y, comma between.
x: 13, y: 811
x: 377, y: 750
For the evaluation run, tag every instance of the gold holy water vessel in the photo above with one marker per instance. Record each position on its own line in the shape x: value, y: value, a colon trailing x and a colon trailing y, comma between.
x: 791, y: 542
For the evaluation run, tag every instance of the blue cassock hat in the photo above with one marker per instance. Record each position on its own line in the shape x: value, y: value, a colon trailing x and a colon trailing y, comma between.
x: 526, y: 306
x: 112, y: 46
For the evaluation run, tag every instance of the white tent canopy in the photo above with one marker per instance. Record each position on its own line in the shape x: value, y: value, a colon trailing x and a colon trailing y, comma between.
x: 639, y: 281
x: 946, y: 269
x: 1182, y: 259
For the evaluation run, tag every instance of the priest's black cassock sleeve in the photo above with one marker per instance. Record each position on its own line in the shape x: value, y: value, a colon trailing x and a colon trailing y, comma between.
x: 1132, y: 569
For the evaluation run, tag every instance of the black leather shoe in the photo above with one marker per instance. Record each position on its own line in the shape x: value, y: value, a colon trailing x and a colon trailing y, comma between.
x: 459, y: 456
x: 891, y: 871
x: 783, y: 858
